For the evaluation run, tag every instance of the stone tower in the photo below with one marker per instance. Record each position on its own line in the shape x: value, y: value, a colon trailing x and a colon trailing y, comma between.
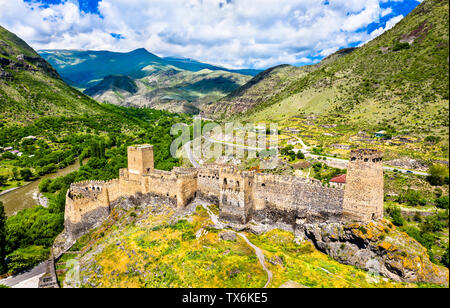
x: 140, y: 160
x: 364, y: 191
x: 235, y: 200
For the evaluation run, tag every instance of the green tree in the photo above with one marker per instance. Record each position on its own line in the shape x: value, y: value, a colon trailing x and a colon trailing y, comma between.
x: 3, y: 180
x: 3, y: 267
x: 445, y: 257
x: 26, y: 174
x: 396, y: 215
x: 442, y: 202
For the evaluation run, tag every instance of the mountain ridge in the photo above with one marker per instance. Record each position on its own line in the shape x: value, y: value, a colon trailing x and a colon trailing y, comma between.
x: 31, y: 88
x: 399, y: 78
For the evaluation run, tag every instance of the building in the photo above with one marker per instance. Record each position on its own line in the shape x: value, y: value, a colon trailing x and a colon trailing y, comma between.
x: 339, y: 181
x: 380, y: 134
x: 242, y: 196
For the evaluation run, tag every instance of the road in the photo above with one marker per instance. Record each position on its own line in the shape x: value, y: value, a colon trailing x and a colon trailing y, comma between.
x: 27, y: 279
x: 307, y: 153
x: 187, y: 148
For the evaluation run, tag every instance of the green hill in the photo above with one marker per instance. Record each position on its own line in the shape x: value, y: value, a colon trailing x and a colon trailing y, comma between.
x: 113, y: 83
x: 31, y: 88
x: 399, y: 79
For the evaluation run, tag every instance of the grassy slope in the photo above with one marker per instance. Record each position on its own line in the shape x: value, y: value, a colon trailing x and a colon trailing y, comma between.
x: 35, y: 90
x: 371, y: 86
x: 142, y: 250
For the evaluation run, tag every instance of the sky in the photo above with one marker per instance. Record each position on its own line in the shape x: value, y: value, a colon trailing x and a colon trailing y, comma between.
x: 232, y: 33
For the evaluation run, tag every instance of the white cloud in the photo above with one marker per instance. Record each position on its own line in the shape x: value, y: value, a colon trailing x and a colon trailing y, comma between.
x: 233, y: 33
x: 389, y: 25
x: 386, y: 12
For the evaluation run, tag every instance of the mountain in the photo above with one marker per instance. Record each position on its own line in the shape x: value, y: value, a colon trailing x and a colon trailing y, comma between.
x: 400, y: 79
x: 30, y: 87
x: 175, y: 84
x: 116, y: 83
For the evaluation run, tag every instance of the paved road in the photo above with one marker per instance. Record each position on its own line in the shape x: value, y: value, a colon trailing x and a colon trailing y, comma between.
x: 187, y: 148
x: 27, y: 279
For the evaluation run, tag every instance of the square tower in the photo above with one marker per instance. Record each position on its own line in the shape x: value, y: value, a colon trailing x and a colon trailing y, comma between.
x: 140, y: 160
x: 364, y: 192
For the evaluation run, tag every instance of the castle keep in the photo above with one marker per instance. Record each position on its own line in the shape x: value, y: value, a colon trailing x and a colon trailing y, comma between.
x: 241, y: 195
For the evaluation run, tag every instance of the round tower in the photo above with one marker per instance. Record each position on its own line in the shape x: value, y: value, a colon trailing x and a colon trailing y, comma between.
x: 364, y: 191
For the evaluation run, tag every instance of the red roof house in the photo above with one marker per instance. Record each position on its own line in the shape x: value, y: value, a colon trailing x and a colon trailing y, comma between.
x: 340, y: 179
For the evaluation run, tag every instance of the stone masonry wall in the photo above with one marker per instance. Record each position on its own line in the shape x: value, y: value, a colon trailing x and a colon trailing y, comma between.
x: 241, y: 196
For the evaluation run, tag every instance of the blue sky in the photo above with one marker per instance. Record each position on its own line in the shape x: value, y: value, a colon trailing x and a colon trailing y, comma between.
x: 232, y: 33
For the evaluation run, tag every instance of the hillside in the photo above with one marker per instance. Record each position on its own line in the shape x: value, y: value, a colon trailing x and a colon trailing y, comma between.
x: 180, y: 85
x: 153, y: 245
x: 398, y: 79
x: 31, y: 88
x: 167, y: 88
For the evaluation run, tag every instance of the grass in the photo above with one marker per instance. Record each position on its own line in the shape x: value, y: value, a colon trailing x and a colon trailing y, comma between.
x: 153, y: 250
x: 376, y: 85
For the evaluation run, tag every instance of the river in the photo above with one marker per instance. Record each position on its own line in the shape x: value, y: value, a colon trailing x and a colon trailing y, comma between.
x: 26, y: 196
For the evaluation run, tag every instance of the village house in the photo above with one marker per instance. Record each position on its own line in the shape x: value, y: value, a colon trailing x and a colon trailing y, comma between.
x: 339, y: 181
x: 341, y: 146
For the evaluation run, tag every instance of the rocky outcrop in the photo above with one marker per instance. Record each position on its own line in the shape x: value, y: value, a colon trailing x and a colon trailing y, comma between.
x: 408, y: 163
x: 377, y: 247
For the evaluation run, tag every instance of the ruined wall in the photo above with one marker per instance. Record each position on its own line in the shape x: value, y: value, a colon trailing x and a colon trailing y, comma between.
x: 236, y: 195
x: 364, y: 192
x: 87, y: 205
x: 287, y: 199
x: 208, y: 183
x: 241, y: 195
x: 186, y: 186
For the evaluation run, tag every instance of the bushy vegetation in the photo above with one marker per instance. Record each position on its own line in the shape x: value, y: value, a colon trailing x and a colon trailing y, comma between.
x: 103, y: 142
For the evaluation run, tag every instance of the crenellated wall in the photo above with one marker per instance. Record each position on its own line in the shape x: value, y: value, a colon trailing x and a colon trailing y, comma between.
x: 241, y: 195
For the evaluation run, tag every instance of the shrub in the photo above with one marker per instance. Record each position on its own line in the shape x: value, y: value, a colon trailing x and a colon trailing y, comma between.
x: 412, y: 198
x: 396, y: 216
x: 25, y: 258
x: 442, y: 202
x: 401, y: 46
x: 438, y: 175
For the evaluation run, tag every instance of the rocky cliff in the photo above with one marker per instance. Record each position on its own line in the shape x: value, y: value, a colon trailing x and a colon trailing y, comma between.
x: 379, y: 248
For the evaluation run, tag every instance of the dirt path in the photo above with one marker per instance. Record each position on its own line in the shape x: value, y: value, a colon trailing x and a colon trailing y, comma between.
x: 257, y: 250
x: 261, y: 259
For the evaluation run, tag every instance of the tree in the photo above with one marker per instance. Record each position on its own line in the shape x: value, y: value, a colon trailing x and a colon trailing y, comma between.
x: 438, y: 175
x: 396, y: 215
x: 442, y: 202
x: 445, y: 257
x: 3, y: 267
x: 26, y: 174
x: 3, y: 180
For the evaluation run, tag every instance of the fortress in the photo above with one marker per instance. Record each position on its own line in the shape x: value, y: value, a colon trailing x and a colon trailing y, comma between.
x: 242, y: 196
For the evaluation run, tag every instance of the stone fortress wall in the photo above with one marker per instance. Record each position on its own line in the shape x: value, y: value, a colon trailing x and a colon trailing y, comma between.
x: 242, y: 196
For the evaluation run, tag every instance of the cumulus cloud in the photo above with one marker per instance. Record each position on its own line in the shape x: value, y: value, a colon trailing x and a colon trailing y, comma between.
x: 232, y: 33
x: 389, y: 25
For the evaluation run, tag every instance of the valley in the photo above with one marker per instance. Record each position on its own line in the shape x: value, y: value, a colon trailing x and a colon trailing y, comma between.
x: 142, y: 79
x: 350, y: 190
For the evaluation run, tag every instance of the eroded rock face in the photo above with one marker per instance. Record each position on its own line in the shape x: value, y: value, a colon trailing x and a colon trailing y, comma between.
x: 378, y: 248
